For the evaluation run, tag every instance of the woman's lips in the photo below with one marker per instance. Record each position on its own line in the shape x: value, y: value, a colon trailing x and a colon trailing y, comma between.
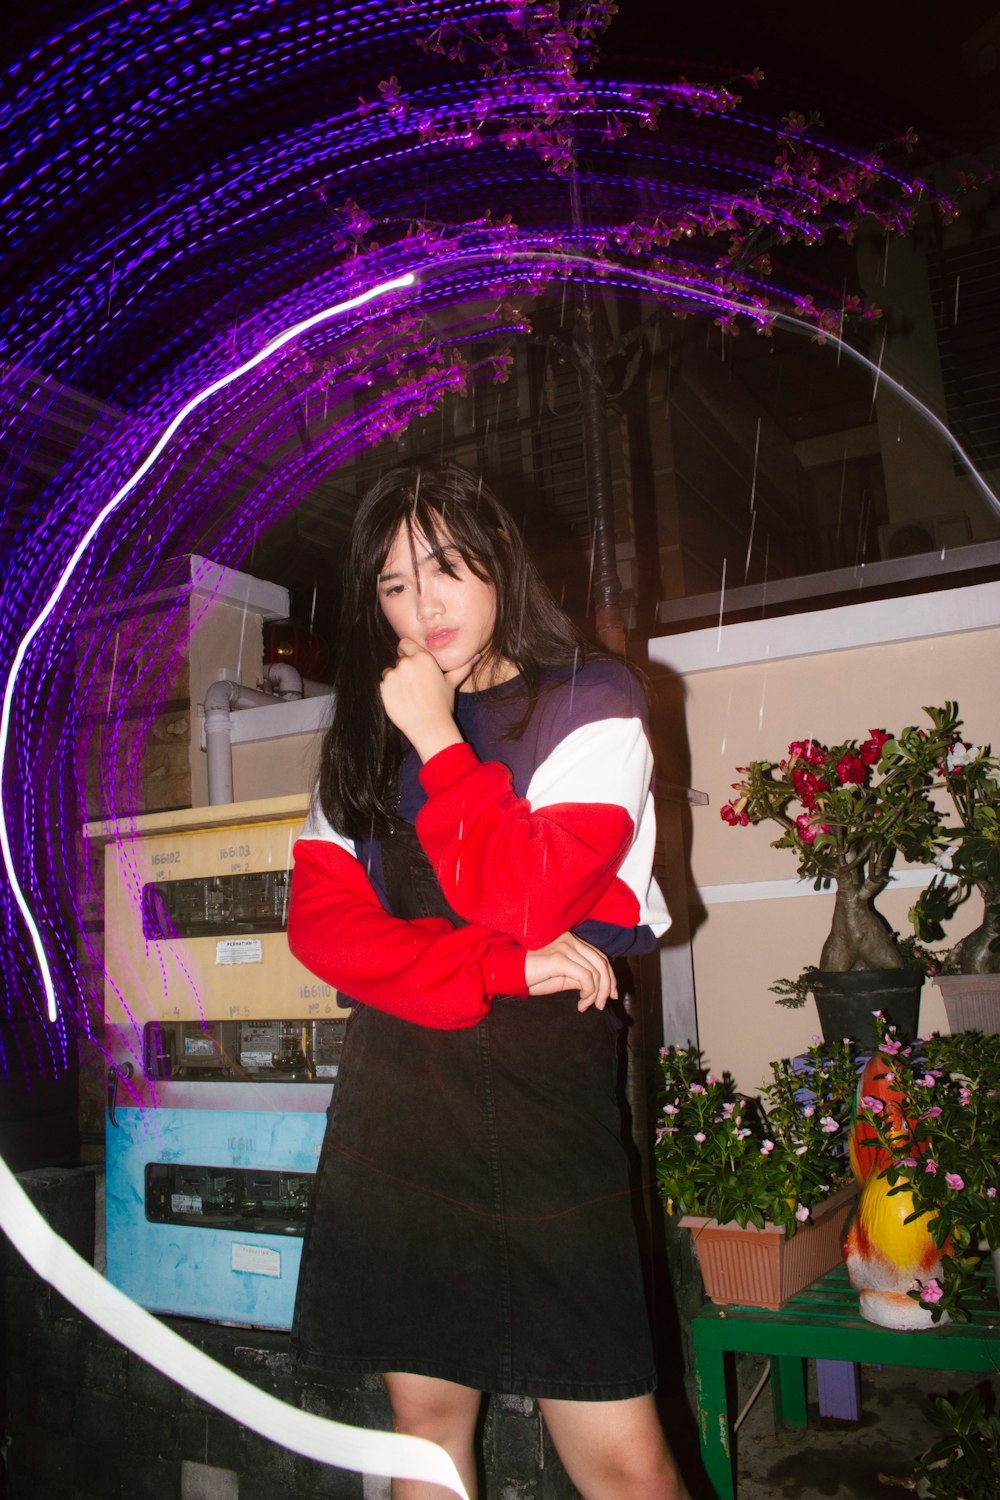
x: 439, y: 638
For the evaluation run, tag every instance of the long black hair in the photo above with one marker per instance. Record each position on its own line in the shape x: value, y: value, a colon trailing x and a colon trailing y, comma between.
x: 449, y: 506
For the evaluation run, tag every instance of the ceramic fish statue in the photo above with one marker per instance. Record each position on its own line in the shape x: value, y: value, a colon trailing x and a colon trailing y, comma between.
x: 885, y: 1256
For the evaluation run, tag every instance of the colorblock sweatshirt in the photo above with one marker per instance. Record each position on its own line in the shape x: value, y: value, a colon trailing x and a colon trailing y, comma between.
x: 529, y: 837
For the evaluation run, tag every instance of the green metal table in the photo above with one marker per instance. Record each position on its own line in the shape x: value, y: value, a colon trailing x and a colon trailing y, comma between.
x: 823, y: 1322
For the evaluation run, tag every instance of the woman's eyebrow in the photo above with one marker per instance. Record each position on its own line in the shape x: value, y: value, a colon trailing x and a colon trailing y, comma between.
x: 427, y: 557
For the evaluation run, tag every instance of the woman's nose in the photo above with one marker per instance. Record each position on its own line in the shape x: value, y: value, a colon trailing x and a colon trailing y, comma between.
x: 428, y: 603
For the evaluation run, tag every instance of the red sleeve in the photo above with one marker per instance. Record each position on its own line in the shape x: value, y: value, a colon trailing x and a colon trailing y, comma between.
x: 426, y: 971
x: 531, y: 874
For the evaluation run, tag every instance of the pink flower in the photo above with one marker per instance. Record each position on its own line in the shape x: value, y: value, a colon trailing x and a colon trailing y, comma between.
x: 802, y: 1213
x: 696, y: 1088
x: 741, y: 1135
x: 991, y: 1192
x: 930, y: 1165
x: 871, y: 1103
x: 889, y: 1046
x: 954, y: 1181
x: 870, y: 751
x: 809, y: 1111
x: 733, y: 813
x: 828, y: 1125
x: 670, y: 1109
x: 699, y: 1136
x: 766, y: 1148
x: 851, y: 768
x: 931, y: 1291
x: 927, y: 1082
x: 801, y: 1150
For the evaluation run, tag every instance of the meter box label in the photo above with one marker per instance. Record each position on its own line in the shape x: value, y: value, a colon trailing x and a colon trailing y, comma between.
x: 257, y: 1259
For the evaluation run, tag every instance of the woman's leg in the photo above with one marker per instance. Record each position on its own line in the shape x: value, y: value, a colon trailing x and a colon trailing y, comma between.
x: 614, y: 1450
x: 444, y: 1412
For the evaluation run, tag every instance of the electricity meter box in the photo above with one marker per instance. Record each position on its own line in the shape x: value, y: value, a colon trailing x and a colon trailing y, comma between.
x: 222, y: 1056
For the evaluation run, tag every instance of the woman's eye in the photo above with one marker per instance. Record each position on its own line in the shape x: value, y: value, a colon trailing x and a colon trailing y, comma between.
x: 392, y: 590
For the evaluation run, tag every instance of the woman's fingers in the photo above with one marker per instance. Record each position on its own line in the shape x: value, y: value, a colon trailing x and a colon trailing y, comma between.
x: 569, y: 963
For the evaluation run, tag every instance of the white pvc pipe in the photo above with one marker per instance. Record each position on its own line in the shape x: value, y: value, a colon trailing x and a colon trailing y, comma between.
x: 220, y: 700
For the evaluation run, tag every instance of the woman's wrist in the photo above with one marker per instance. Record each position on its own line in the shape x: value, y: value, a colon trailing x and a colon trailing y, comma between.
x: 435, y: 738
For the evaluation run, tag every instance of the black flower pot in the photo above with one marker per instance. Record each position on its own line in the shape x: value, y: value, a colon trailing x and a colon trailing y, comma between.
x: 846, y: 1002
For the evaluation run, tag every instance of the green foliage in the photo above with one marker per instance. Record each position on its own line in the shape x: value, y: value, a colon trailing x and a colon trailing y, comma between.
x: 965, y: 1464
x: 723, y: 1155
x: 969, y: 855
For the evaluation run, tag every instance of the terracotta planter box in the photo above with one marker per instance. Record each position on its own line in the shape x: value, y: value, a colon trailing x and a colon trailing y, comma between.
x: 760, y: 1267
x: 971, y: 1001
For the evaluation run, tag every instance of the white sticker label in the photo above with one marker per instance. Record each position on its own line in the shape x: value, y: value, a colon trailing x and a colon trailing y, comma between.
x: 257, y: 1059
x: 184, y: 1203
x: 239, y: 951
x: 257, y: 1259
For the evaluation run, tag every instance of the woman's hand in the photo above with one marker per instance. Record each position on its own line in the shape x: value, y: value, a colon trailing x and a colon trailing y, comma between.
x: 420, y: 700
x: 569, y: 963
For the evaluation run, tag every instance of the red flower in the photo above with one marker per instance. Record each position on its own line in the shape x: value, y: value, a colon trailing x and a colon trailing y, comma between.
x: 870, y: 751
x: 807, y: 785
x: 811, y: 751
x: 852, y: 768
x: 734, y: 815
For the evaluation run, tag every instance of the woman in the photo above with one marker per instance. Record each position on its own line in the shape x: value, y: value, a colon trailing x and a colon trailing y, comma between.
x: 479, y: 848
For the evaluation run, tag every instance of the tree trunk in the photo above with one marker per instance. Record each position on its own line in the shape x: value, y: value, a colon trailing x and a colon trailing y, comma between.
x: 972, y: 955
x: 860, y: 937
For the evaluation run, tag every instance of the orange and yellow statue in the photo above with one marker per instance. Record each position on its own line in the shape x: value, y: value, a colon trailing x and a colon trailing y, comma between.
x: 886, y: 1256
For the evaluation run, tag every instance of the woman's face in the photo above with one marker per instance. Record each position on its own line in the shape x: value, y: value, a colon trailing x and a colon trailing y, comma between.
x: 430, y: 595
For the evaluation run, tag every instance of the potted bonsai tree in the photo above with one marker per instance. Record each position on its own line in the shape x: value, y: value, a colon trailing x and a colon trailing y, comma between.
x: 846, y: 811
x: 752, y: 1175
x: 969, y: 977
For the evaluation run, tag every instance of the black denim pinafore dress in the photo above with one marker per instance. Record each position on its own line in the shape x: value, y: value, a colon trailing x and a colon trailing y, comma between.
x: 471, y: 1218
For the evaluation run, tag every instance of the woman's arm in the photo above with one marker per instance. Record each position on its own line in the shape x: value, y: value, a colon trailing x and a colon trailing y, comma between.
x: 579, y: 845
x: 425, y: 971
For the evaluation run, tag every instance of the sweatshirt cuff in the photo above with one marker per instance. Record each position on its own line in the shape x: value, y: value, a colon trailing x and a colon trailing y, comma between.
x: 447, y: 766
x: 503, y: 971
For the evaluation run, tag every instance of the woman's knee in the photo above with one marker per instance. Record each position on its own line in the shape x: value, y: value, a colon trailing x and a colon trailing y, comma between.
x: 436, y: 1409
